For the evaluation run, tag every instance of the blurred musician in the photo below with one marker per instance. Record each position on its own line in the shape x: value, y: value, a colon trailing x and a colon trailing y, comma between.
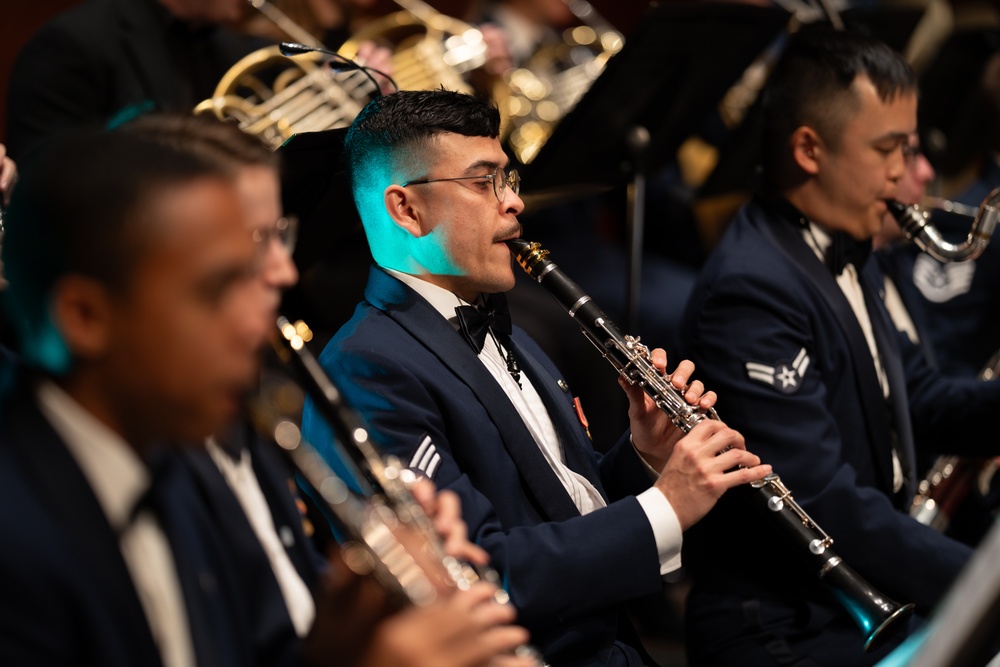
x: 240, y: 475
x: 104, y: 58
x: 8, y: 176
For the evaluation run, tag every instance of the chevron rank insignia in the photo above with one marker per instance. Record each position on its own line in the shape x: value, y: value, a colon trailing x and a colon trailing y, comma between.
x: 785, y: 377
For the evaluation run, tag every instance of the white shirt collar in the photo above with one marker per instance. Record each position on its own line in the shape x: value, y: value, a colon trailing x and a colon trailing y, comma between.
x: 818, y: 239
x: 440, y: 299
x: 114, y: 470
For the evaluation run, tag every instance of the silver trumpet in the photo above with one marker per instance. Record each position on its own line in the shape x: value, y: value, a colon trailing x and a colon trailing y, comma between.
x: 877, y: 615
x: 388, y: 533
x: 915, y: 222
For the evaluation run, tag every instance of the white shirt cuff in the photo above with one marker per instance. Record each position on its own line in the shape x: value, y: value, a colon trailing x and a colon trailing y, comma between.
x: 666, y: 528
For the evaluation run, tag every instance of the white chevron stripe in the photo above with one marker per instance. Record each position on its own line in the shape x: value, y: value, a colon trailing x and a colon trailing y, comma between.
x: 432, y: 468
x: 767, y: 378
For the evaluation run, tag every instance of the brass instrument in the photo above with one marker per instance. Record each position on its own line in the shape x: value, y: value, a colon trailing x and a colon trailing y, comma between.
x: 538, y: 94
x: 273, y: 96
x: 429, y: 50
x: 915, y: 223
x: 388, y: 532
x: 876, y: 614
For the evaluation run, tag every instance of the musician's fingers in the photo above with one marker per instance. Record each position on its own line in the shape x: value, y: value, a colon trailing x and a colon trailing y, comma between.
x: 513, y: 661
x: 735, y: 457
x: 708, y: 400
x: 659, y: 358
x: 425, y: 493
x: 682, y: 374
x: 694, y: 392
x: 742, y: 476
x: 454, y: 532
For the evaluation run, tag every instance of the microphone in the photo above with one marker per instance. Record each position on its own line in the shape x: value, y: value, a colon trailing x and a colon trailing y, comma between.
x: 338, y: 63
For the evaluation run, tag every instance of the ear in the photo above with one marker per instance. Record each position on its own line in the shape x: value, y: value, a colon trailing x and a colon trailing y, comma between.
x: 807, y: 149
x: 403, y: 207
x: 82, y: 311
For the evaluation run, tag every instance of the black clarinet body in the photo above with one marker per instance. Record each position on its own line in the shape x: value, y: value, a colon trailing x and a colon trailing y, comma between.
x: 878, y: 616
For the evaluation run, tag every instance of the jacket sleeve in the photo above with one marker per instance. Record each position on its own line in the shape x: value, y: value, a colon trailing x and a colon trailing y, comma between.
x: 553, y: 570
x: 764, y: 320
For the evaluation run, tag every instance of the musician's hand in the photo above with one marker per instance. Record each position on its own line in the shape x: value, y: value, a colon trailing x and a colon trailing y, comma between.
x: 377, y: 57
x: 8, y: 175
x: 467, y: 629
x: 653, y: 434
x: 445, y: 509
x: 703, y: 466
x: 348, y: 609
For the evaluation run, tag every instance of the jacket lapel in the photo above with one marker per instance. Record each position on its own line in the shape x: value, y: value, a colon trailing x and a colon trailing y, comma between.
x: 62, y: 485
x: 426, y: 325
x: 788, y: 238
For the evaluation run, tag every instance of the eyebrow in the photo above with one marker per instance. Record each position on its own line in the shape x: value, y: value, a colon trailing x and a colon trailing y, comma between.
x: 480, y: 164
x: 893, y: 136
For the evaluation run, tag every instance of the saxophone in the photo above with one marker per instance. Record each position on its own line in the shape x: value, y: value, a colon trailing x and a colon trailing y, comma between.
x: 388, y: 533
x: 915, y: 223
x: 877, y: 615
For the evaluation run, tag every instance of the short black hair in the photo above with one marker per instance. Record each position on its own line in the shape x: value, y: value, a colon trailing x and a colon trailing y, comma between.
x: 405, y: 119
x: 78, y: 209
x: 812, y: 85
x: 217, y: 141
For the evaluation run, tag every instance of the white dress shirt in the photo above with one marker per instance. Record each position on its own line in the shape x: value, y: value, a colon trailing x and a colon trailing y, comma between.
x: 529, y: 405
x: 819, y: 240
x: 119, y: 478
x: 240, y: 477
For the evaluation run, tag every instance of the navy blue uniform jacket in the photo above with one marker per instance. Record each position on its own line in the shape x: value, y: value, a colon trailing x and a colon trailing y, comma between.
x: 67, y: 596
x: 771, y: 331
x: 411, y: 375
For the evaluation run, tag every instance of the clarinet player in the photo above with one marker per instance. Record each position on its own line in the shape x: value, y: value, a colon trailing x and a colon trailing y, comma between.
x: 431, y: 361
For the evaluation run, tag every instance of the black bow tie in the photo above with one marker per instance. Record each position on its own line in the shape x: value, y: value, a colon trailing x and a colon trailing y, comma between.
x: 475, y: 322
x: 846, y: 250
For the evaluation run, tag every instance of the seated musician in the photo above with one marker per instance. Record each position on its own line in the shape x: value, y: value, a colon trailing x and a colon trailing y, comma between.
x: 138, y: 294
x: 789, y: 326
x: 450, y: 389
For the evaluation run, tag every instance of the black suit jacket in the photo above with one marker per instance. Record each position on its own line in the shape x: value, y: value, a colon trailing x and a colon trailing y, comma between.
x: 68, y: 598
x: 105, y: 56
x: 410, y: 374
x: 275, y: 641
x: 774, y: 335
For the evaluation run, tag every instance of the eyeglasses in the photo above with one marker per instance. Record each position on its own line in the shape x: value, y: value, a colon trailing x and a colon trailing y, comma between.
x: 285, y: 231
x: 911, y: 151
x: 501, y: 181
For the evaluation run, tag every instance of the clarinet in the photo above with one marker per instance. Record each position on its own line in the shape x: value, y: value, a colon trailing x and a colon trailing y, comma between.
x: 397, y: 539
x: 878, y: 616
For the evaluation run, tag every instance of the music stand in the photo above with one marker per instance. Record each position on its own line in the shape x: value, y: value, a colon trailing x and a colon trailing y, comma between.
x: 651, y: 96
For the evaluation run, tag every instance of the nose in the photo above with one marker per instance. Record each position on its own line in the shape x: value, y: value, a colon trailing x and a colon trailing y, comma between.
x: 512, y: 202
x: 279, y: 270
x: 896, y: 166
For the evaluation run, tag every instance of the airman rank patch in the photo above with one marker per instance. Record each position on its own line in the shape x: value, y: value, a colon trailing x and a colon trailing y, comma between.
x: 942, y: 282
x: 785, y: 377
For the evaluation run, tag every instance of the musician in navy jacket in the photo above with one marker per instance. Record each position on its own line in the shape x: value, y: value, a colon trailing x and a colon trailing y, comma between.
x: 789, y: 327
x: 115, y: 275
x: 498, y: 424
